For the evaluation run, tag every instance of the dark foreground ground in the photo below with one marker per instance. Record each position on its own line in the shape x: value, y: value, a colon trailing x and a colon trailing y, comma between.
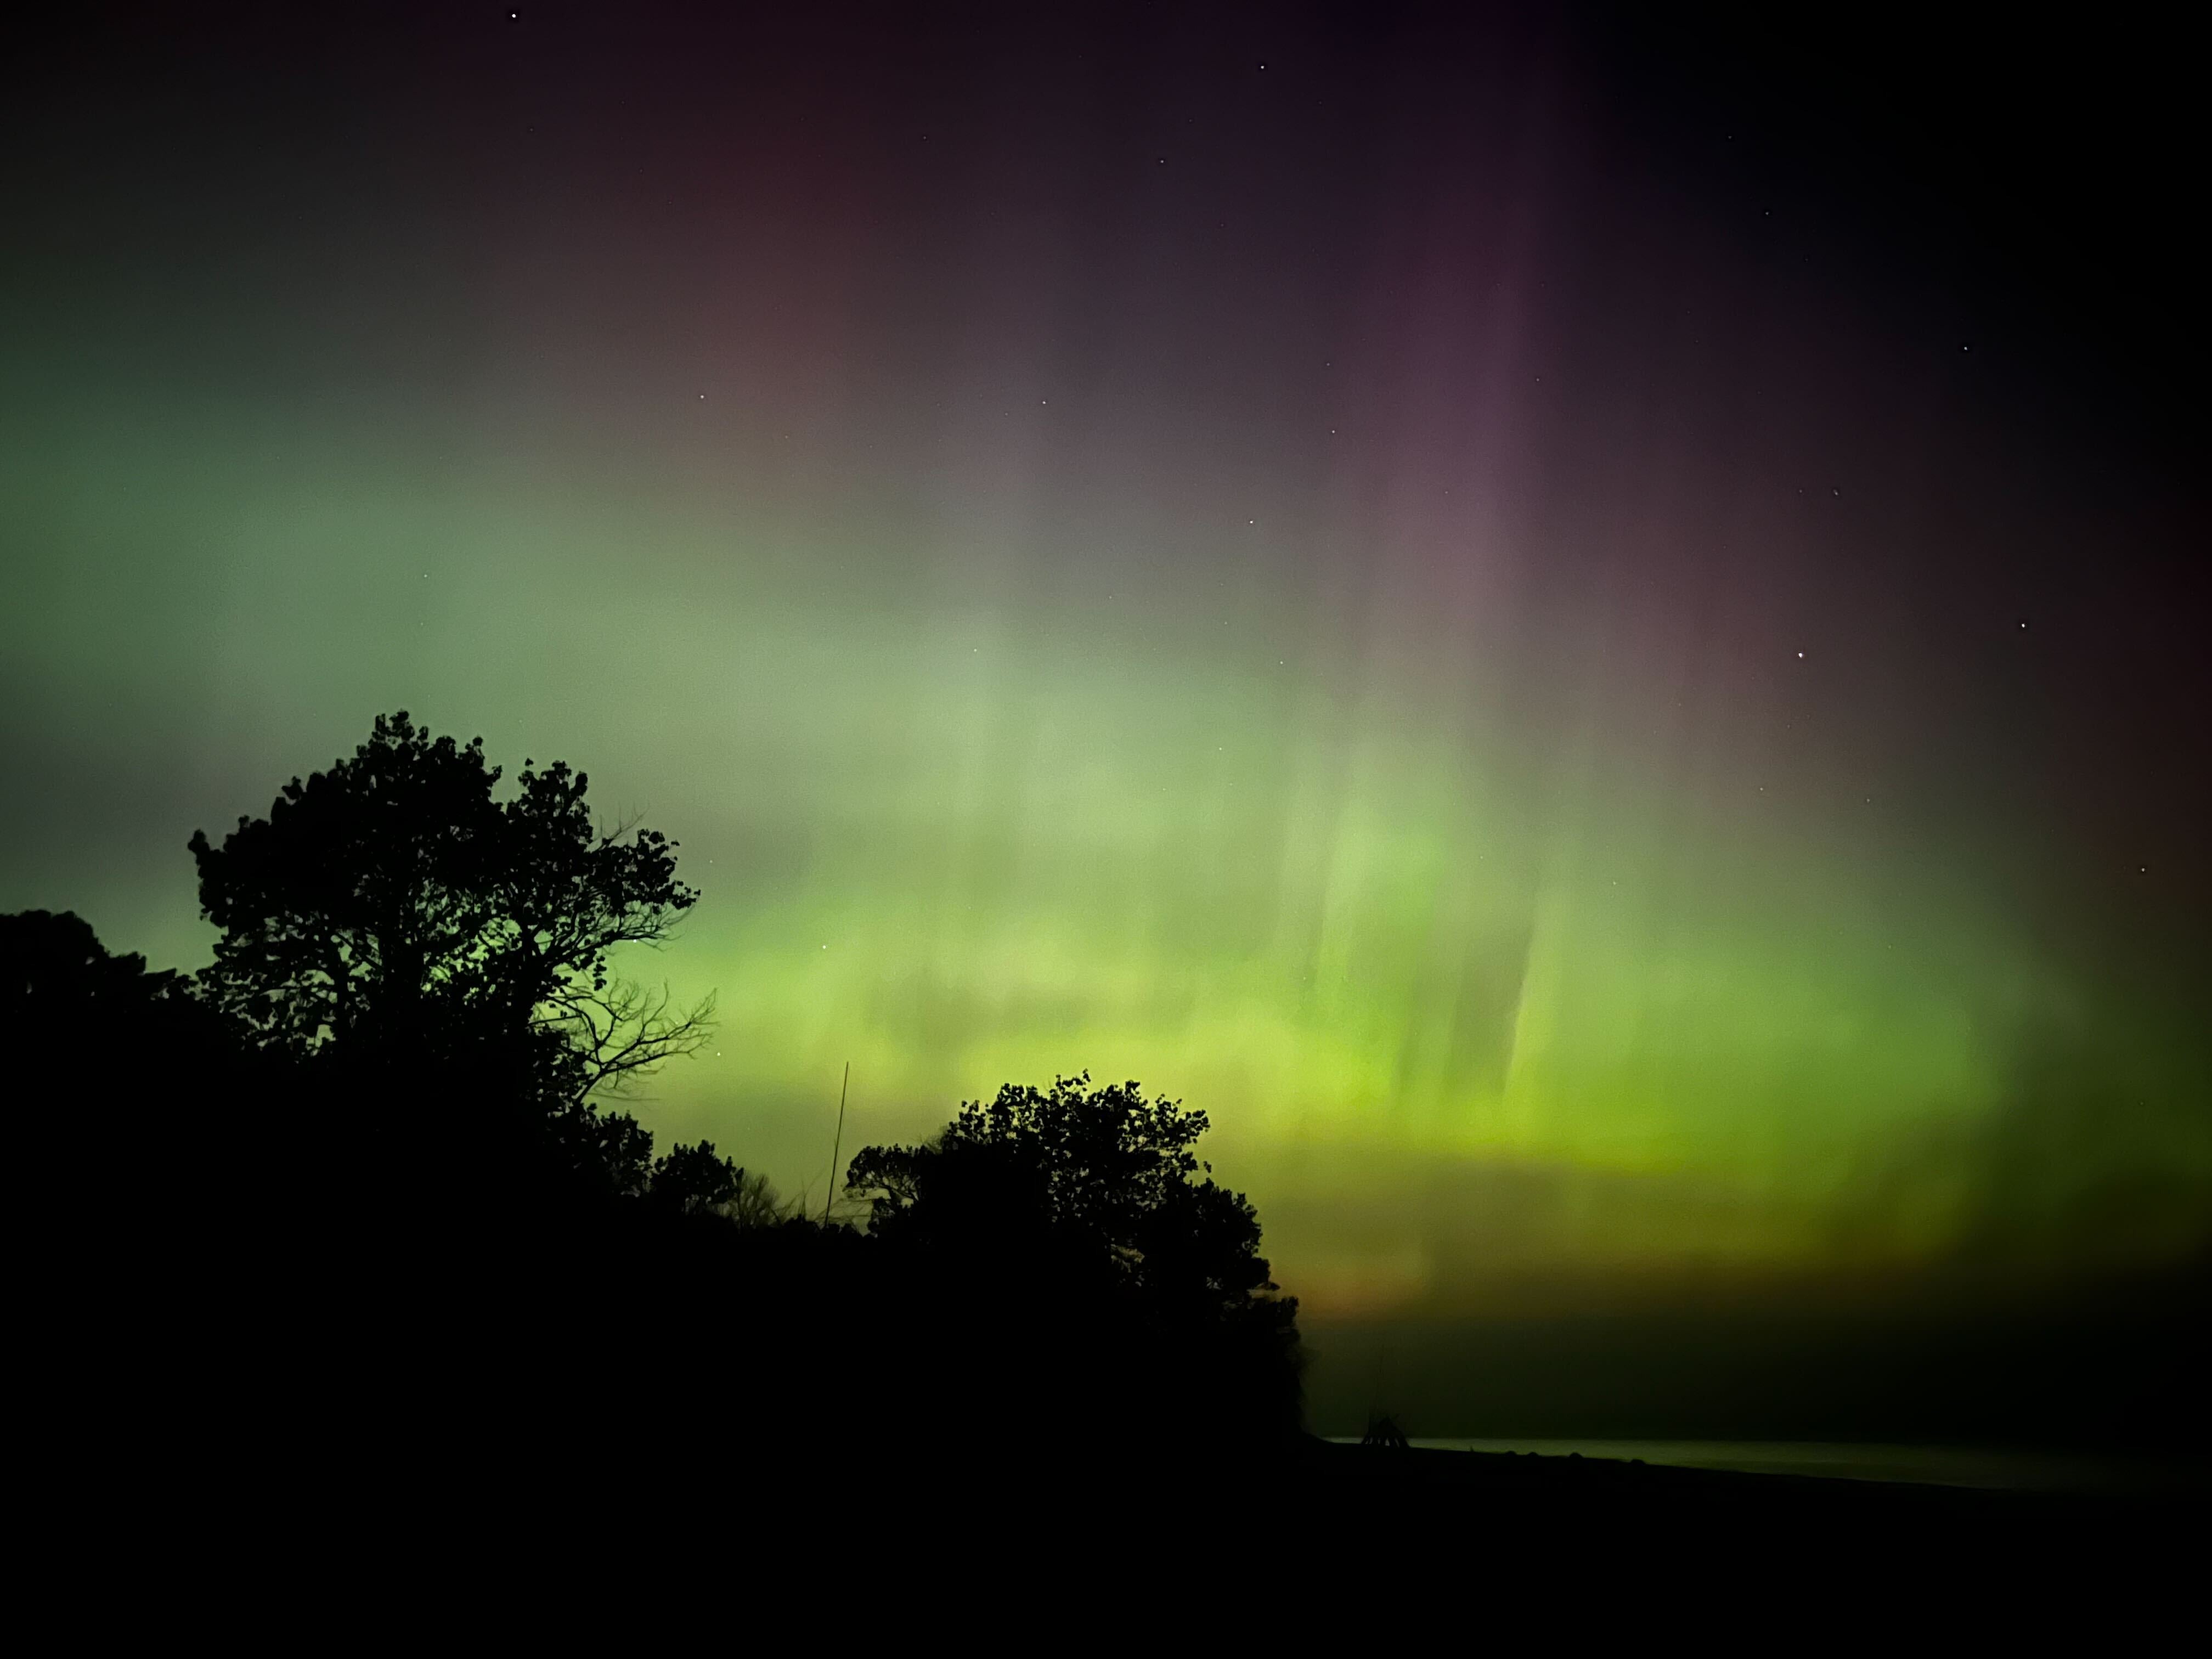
x: 1802, y: 1546
x: 1317, y: 1497
x: 637, y: 1540
x: 1425, y: 1483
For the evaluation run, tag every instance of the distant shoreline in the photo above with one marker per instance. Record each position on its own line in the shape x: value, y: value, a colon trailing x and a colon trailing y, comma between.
x: 1500, y: 1496
x: 1964, y: 1467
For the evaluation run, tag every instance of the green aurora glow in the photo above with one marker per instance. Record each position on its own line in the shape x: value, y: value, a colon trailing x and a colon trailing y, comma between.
x: 1520, y: 904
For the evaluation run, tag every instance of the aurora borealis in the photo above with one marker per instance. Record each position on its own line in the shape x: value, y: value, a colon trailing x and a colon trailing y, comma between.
x: 1614, y: 720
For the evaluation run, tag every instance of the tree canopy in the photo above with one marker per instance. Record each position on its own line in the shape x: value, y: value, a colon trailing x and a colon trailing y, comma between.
x: 56, y: 963
x: 394, y: 906
x: 1097, y: 1179
x: 98, y: 1019
x: 1080, y: 1257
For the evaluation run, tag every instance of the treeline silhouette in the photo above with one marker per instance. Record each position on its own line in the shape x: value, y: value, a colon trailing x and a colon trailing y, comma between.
x: 360, y: 1198
x: 346, y: 1242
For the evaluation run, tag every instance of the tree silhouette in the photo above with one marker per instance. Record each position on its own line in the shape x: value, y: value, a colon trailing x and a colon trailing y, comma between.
x: 143, y: 1119
x: 392, y: 910
x: 1070, y: 1220
x: 1099, y: 1176
x: 696, y: 1181
x: 100, y: 1023
x: 56, y: 966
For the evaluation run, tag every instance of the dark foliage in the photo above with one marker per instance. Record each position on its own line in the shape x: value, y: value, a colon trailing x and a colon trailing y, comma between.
x: 393, y: 929
x: 1066, y: 1223
x: 353, y: 1193
x: 53, y: 969
x: 1097, y: 1179
x: 139, y: 1155
x: 125, y: 1064
x: 393, y: 908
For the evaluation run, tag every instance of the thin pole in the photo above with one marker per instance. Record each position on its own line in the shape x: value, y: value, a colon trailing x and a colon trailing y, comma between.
x: 837, y: 1148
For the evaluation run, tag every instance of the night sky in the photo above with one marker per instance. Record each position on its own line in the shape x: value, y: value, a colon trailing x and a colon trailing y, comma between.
x: 1589, y: 633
